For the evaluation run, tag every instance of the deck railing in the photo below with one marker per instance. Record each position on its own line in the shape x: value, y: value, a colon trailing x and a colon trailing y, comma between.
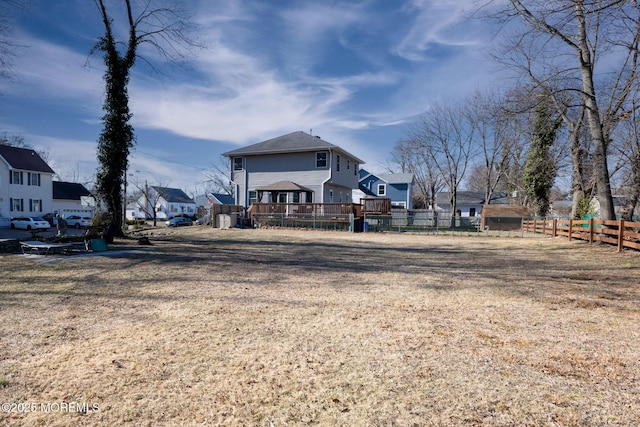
x: 303, y: 210
x: 620, y: 233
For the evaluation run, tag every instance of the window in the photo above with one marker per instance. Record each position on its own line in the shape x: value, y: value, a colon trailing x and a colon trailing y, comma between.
x: 253, y: 197
x: 348, y: 164
x: 296, y: 197
x: 382, y: 189
x: 355, y: 169
x: 16, y: 205
x: 282, y: 197
x: 33, y: 179
x: 337, y: 162
x: 472, y: 211
x: 330, y: 196
x: 35, y: 205
x: 321, y: 160
x: 16, y: 177
x: 237, y: 163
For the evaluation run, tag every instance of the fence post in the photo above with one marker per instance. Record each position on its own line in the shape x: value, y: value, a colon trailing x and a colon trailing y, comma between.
x: 555, y: 228
x: 591, y: 229
x: 544, y: 225
x: 570, y: 228
x: 620, y: 235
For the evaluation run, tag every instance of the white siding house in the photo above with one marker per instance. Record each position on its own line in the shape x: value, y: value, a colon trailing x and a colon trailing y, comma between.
x: 293, y: 168
x: 26, y: 187
x: 167, y: 203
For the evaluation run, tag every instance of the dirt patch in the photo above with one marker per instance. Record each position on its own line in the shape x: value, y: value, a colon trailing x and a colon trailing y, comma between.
x: 277, y: 327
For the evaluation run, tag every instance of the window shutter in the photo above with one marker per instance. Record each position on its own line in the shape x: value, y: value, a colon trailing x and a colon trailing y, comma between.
x: 21, y: 204
x: 39, y: 181
x: 21, y: 178
x: 10, y: 177
x: 28, y: 178
x: 30, y: 205
x: 40, y: 199
x: 11, y: 204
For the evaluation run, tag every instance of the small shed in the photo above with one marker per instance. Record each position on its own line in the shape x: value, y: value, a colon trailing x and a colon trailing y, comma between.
x: 503, y: 217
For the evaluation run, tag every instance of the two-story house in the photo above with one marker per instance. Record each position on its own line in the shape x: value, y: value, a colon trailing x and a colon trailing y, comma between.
x: 26, y: 183
x: 293, y: 168
x: 395, y: 186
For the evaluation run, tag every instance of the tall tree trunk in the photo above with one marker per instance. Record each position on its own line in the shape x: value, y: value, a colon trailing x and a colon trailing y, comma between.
x: 598, y: 135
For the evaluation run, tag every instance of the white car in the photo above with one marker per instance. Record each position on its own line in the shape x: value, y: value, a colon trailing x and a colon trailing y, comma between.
x: 30, y: 223
x: 78, y: 221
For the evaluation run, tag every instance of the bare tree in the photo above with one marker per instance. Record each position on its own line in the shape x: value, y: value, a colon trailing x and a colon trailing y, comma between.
x: 217, y: 179
x: 149, y: 200
x: 446, y: 135
x: 7, y: 41
x: 410, y: 158
x: 497, y: 137
x: 568, y: 40
x: 628, y: 155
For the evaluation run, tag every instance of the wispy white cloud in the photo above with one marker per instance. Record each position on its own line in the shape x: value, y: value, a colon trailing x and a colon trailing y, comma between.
x: 438, y: 22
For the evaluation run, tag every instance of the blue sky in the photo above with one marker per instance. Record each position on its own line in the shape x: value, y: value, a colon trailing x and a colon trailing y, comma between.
x: 356, y: 72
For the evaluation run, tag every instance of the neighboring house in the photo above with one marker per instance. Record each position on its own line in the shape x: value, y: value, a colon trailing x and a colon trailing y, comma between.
x: 293, y: 168
x: 395, y: 186
x: 26, y: 187
x: 219, y: 199
x: 469, y: 203
x: 71, y: 197
x: 619, y: 205
x: 211, y: 199
x: 167, y: 203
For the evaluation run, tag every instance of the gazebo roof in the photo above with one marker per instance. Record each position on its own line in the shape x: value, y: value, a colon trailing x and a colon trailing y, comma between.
x: 283, y: 186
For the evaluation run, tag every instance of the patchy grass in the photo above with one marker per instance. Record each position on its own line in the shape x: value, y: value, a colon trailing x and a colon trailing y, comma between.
x: 281, y: 327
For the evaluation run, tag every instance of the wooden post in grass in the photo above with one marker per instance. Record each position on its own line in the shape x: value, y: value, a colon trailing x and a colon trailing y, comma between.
x: 555, y: 228
x: 591, y: 229
x: 570, y: 228
x: 620, y: 234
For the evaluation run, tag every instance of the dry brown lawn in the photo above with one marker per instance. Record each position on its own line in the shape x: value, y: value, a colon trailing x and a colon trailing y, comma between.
x: 295, y: 328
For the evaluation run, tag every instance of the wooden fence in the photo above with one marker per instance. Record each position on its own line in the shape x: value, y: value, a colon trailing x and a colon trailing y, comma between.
x: 621, y: 233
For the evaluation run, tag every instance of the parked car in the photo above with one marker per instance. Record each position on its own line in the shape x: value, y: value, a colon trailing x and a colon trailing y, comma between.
x: 78, y: 221
x: 203, y: 220
x: 179, y: 221
x: 51, y: 219
x: 30, y: 223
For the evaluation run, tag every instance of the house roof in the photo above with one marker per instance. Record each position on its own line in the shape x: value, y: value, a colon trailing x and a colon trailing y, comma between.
x: 290, y: 143
x: 389, y: 178
x: 473, y: 198
x: 69, y: 190
x: 283, y: 186
x: 24, y: 159
x: 220, y: 199
x: 174, y: 195
x: 396, y: 178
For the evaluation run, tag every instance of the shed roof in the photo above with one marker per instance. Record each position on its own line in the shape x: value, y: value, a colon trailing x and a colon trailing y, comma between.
x: 290, y: 143
x: 24, y: 159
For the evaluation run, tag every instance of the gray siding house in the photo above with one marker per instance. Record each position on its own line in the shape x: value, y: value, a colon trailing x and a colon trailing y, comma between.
x: 293, y: 168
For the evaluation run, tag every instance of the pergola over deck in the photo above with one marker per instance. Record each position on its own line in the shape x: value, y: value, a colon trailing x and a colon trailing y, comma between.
x: 284, y: 187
